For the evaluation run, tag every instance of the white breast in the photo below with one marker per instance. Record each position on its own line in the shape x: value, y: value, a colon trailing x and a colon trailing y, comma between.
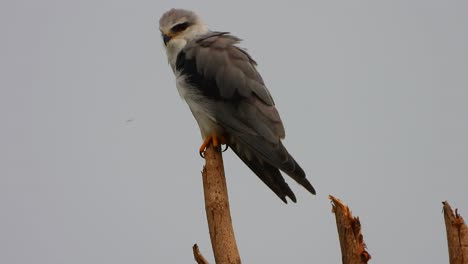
x: 173, y: 49
x: 202, y: 109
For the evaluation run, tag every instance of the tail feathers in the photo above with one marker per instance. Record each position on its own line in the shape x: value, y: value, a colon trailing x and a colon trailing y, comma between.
x: 270, y: 175
x: 298, y: 174
x: 274, y: 155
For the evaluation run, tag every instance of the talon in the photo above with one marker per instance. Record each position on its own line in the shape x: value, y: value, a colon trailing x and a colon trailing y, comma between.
x: 203, y: 146
x: 225, y: 148
x: 215, y: 140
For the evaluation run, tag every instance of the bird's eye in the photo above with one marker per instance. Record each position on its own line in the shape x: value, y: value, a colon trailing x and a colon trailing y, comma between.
x: 180, y: 27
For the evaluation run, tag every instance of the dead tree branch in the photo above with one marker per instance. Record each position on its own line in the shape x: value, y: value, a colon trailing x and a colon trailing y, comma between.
x: 353, y: 248
x: 217, y: 209
x: 198, y: 256
x: 457, y: 235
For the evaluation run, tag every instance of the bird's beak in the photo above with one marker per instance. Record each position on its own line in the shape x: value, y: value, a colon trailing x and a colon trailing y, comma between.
x: 166, y: 39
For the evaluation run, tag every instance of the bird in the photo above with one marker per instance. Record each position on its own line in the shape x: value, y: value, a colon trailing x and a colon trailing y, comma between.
x: 229, y: 99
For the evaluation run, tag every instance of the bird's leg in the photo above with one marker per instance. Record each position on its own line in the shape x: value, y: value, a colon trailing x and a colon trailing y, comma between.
x: 215, y: 140
x: 205, y: 144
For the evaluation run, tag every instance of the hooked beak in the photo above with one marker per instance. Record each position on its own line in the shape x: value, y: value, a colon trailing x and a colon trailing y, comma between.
x: 166, y: 38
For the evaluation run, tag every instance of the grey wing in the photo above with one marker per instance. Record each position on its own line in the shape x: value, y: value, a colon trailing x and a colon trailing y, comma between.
x: 244, y: 108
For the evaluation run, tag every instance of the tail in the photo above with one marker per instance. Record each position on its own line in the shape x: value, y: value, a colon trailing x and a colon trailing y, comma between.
x: 297, y: 173
x: 266, y: 160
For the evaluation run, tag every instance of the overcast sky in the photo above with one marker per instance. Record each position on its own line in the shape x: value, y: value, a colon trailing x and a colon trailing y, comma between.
x: 99, y: 156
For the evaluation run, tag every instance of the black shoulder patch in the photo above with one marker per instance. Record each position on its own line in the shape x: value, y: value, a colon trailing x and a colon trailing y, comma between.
x: 207, y: 86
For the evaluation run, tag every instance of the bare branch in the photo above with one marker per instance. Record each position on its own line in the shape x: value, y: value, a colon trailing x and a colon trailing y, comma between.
x: 353, y: 248
x: 457, y: 235
x: 198, y: 256
x: 217, y: 209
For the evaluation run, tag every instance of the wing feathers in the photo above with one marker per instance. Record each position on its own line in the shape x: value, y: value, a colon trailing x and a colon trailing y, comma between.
x: 222, y: 51
x: 270, y: 175
x: 276, y: 156
x: 226, y: 75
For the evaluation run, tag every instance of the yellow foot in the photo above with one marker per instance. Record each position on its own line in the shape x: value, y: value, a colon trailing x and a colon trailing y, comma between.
x: 214, y: 140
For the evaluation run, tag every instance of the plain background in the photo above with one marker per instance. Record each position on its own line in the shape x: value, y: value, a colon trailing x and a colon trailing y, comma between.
x: 98, y: 154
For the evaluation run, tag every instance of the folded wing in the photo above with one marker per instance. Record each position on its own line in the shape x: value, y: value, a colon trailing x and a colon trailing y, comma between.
x: 226, y: 75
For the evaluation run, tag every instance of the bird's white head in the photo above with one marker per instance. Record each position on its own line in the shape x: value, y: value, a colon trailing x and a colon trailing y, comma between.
x: 179, y: 26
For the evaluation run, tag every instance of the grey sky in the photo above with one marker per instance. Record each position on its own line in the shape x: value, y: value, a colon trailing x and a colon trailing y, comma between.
x: 373, y: 95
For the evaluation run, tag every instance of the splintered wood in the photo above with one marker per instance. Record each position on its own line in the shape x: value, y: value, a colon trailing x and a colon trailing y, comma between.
x: 457, y: 235
x: 217, y: 209
x: 353, y: 248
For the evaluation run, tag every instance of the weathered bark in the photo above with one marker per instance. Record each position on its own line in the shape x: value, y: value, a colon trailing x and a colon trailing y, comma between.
x: 353, y: 248
x: 457, y: 235
x: 217, y: 209
x: 198, y: 256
